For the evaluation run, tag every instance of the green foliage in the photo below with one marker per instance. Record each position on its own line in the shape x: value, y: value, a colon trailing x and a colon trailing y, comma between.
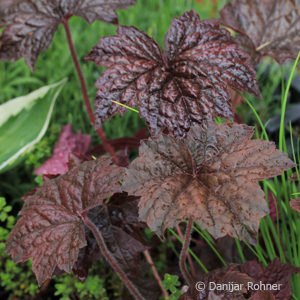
x: 20, y: 281
x: 64, y: 287
x: 24, y: 121
x: 44, y: 148
x: 16, y: 279
x: 172, y: 284
x: 269, y: 76
x: 92, y: 288
x: 4, y: 210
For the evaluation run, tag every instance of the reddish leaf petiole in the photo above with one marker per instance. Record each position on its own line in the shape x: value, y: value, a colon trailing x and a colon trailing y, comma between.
x: 105, y: 142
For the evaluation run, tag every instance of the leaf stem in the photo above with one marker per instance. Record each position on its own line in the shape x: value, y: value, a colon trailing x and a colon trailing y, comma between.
x: 111, y: 260
x: 85, y: 95
x: 188, y: 254
x: 155, y: 273
x: 184, y: 250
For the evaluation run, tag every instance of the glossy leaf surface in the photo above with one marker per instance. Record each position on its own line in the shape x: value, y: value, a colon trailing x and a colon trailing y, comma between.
x: 185, y: 85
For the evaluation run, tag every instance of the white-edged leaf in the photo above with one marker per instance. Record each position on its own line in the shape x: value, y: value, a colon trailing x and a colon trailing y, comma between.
x: 24, y: 121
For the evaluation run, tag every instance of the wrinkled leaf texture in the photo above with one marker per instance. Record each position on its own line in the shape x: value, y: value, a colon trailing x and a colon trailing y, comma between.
x: 51, y: 229
x: 183, y: 86
x: 266, y: 27
x: 211, y: 175
x: 31, y: 24
x: 118, y: 222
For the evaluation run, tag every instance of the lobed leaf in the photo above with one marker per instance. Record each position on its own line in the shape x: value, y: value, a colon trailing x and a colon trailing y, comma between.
x: 268, y: 27
x: 51, y: 229
x: 31, y: 24
x: 211, y: 175
x: 185, y: 85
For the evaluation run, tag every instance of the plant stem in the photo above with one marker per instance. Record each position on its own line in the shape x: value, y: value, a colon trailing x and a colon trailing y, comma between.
x: 111, y: 260
x: 184, y: 250
x: 188, y: 254
x: 155, y: 273
x: 85, y: 95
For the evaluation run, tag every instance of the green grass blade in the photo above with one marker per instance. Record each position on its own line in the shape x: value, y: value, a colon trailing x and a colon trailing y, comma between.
x: 283, y: 107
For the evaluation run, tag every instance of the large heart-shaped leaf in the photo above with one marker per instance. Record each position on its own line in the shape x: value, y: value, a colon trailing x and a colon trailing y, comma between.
x: 185, y: 85
x: 51, y: 229
x: 31, y: 24
x: 211, y: 175
x: 24, y: 121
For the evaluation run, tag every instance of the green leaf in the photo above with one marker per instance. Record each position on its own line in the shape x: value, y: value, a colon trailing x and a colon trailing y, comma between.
x: 24, y: 121
x: 2, y: 203
x: 171, y: 282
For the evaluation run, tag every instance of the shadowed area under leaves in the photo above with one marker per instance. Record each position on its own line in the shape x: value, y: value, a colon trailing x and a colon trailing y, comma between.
x: 118, y: 222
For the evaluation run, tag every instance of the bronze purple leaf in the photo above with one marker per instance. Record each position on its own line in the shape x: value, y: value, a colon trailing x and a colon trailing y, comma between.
x: 31, y: 24
x: 266, y: 27
x: 211, y: 175
x: 51, y: 229
x: 185, y: 85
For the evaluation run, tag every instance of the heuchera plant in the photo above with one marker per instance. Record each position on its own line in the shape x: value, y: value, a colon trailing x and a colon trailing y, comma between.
x: 190, y: 168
